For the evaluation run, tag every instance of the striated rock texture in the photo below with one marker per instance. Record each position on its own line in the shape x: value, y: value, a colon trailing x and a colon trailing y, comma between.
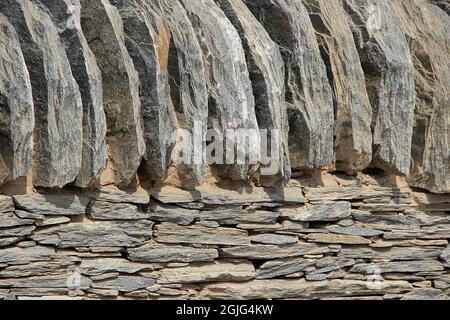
x: 353, y: 112
x: 427, y: 26
x: 57, y: 100
x: 103, y: 28
x: 231, y: 104
x: 182, y: 61
x: 364, y: 214
x: 308, y: 93
x: 388, y: 68
x: 266, y: 69
x: 147, y: 40
x: 16, y: 107
x: 66, y: 16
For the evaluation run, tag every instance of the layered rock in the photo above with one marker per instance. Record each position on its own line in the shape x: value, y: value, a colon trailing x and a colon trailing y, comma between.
x: 103, y: 28
x: 16, y: 107
x: 266, y: 70
x: 147, y: 39
x: 308, y: 92
x: 353, y: 112
x: 388, y: 69
x: 66, y: 16
x: 231, y: 104
x: 188, y: 90
x: 57, y: 100
x: 426, y: 26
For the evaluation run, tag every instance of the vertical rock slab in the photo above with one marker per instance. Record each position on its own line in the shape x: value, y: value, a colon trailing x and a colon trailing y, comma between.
x: 182, y: 62
x: 266, y: 68
x: 427, y: 28
x: 231, y: 102
x: 103, y: 28
x: 57, y: 100
x: 16, y: 107
x: 353, y: 112
x: 387, y: 65
x: 66, y: 16
x: 147, y: 41
x: 308, y: 92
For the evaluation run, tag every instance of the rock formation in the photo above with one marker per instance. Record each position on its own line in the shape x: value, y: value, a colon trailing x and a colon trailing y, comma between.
x: 308, y: 93
x: 103, y: 28
x: 57, y: 100
x: 66, y: 16
x: 351, y: 201
x: 426, y: 26
x: 16, y: 107
x: 353, y: 112
x: 388, y: 69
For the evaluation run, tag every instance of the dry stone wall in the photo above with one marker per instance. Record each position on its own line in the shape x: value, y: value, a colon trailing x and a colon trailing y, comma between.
x: 94, y: 203
x: 358, y: 240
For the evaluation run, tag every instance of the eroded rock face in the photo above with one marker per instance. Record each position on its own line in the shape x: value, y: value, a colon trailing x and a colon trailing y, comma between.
x: 308, y: 93
x: 231, y: 102
x: 16, y: 107
x: 147, y: 39
x: 388, y: 69
x: 353, y: 112
x: 103, y: 28
x: 57, y: 100
x: 427, y: 26
x: 188, y: 87
x: 266, y: 68
x: 66, y: 16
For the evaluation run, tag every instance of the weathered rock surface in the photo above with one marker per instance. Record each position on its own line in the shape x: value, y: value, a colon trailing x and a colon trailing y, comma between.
x: 103, y: 29
x: 174, y: 214
x: 155, y: 252
x: 336, y: 238
x: 241, y: 195
x: 300, y: 289
x: 426, y: 26
x: 403, y: 253
x: 231, y: 103
x: 332, y: 211
x: 16, y: 107
x: 266, y: 69
x: 14, y: 256
x: 124, y: 283
x: 276, y: 268
x: 170, y: 64
x: 6, y: 204
x: 117, y: 195
x: 208, y: 272
x: 66, y: 16
x: 101, y: 210
x: 388, y: 69
x: 308, y: 92
x: 188, y: 89
x: 425, y: 294
x: 148, y: 42
x: 401, y: 266
x: 171, y: 233
x: 57, y: 101
x: 96, y: 234
x: 353, y: 112
x: 271, y: 251
x: 273, y: 239
x: 56, y: 204
x: 102, y: 265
